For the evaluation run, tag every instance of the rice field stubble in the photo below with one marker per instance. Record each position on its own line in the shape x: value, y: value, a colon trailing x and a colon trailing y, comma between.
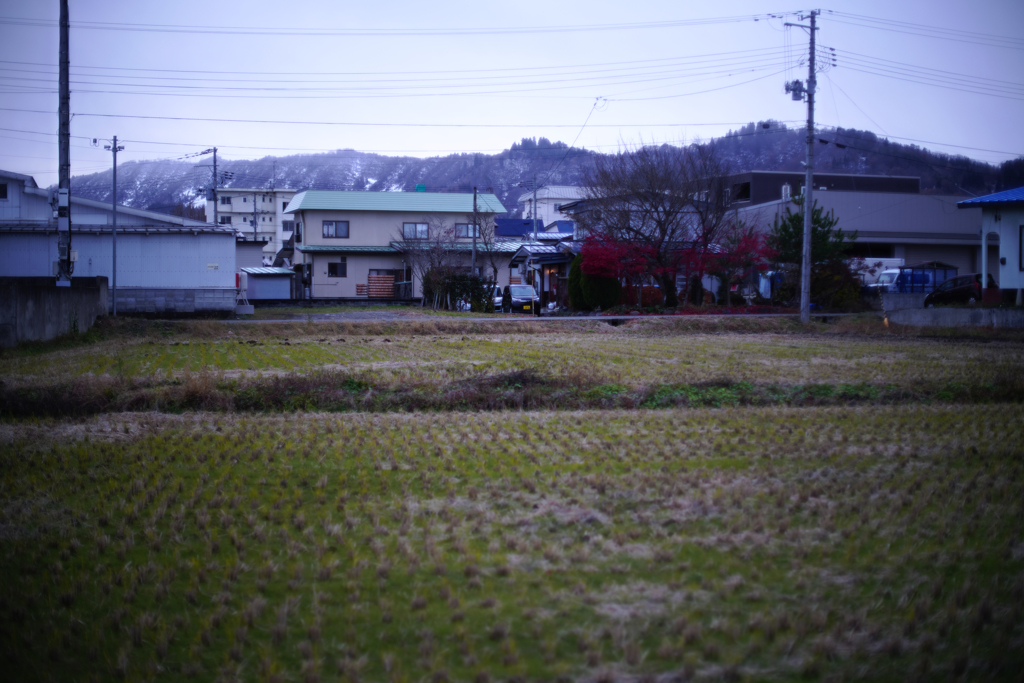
x: 769, y: 543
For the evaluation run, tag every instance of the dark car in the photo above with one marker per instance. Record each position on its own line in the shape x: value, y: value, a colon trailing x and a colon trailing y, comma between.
x: 962, y: 289
x: 520, y: 299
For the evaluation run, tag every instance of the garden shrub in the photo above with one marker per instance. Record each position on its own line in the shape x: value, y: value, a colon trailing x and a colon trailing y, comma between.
x: 648, y: 298
x: 600, y: 292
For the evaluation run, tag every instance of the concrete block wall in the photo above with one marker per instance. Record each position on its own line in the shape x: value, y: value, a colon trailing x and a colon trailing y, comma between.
x: 176, y: 301
x: 36, y: 309
x: 894, y: 301
x: 960, y: 317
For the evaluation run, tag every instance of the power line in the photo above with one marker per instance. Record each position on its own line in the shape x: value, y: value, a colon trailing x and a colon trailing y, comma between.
x: 385, y: 124
x: 907, y: 28
x: 317, y: 77
x: 436, y: 90
x: 382, y: 32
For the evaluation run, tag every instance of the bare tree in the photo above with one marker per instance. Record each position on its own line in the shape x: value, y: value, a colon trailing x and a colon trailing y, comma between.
x: 668, y: 204
x: 487, y: 246
x: 429, y: 248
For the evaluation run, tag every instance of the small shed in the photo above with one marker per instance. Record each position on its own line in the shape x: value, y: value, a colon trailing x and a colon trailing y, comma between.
x: 922, y: 278
x: 267, y: 282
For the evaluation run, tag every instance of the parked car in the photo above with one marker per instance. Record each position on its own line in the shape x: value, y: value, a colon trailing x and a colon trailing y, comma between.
x: 520, y: 299
x: 886, y: 282
x: 497, y: 294
x: 962, y: 289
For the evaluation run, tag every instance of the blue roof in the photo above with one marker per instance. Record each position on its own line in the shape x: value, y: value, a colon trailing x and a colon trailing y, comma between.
x: 516, y: 227
x: 999, y: 198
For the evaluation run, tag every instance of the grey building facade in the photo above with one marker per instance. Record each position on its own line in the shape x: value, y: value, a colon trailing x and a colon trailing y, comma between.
x: 892, y: 218
x: 165, y: 264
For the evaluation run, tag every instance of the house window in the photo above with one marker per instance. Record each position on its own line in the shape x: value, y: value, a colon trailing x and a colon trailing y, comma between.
x: 339, y: 269
x: 415, y: 231
x: 225, y: 200
x: 335, y: 228
x: 288, y: 225
x: 284, y: 205
x: 3, y: 190
x: 466, y: 230
x: 298, y: 233
x: 245, y: 199
x: 225, y: 220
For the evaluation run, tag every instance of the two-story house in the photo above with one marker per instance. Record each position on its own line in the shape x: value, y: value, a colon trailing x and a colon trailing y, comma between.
x: 355, y: 245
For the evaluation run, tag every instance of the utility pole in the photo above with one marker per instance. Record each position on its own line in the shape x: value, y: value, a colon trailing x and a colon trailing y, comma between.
x: 534, y: 207
x: 474, y: 228
x: 215, y: 199
x: 797, y: 88
x: 115, y: 149
x: 64, y: 266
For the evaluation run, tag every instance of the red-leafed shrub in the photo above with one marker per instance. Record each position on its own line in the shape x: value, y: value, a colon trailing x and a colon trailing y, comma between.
x: 649, y: 297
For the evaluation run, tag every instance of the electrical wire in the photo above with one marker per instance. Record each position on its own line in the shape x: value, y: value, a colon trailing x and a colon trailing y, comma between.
x: 907, y: 28
x: 382, y: 124
x: 318, y: 77
x: 381, y: 32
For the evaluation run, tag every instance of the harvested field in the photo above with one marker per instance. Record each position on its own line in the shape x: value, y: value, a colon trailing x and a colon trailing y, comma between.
x: 875, y: 543
x: 658, y: 501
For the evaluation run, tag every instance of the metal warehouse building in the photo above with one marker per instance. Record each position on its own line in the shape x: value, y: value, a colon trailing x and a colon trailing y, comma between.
x: 165, y: 264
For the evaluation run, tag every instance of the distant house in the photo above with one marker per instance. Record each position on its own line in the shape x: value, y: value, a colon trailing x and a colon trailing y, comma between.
x: 165, y: 264
x: 549, y: 201
x: 257, y: 215
x: 362, y: 245
x: 1002, y: 217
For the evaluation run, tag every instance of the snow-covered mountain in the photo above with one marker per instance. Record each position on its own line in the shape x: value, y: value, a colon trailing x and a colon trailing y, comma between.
x: 164, y: 185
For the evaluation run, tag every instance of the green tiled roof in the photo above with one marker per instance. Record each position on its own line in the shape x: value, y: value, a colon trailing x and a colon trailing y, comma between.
x: 500, y: 247
x: 332, y: 249
x: 429, y: 202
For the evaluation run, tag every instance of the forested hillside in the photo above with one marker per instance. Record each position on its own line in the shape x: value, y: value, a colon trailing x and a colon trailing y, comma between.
x: 171, y: 184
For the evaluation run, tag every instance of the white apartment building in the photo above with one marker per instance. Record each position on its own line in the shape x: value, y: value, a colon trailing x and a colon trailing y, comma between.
x: 548, y: 200
x: 239, y: 207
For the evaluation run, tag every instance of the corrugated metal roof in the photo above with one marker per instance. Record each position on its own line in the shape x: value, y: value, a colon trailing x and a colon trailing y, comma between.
x: 1014, y: 196
x: 267, y: 270
x: 156, y: 229
x: 331, y: 249
x: 445, y: 202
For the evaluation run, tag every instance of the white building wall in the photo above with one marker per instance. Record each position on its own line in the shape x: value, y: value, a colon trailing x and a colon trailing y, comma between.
x: 1009, y: 228
x: 269, y: 205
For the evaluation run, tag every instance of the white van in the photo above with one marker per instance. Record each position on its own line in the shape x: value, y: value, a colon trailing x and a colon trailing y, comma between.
x: 886, y: 279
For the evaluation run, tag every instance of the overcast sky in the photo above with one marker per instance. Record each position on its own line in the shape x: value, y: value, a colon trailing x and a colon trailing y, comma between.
x: 451, y: 76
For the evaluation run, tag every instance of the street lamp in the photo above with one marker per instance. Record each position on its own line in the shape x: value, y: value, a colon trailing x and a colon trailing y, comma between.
x: 114, y: 148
